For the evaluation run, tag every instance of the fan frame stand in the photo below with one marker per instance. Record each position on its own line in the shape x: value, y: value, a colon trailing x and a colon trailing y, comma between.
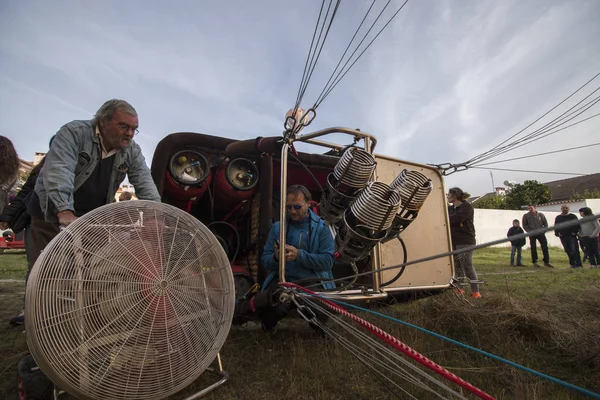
x: 223, y: 377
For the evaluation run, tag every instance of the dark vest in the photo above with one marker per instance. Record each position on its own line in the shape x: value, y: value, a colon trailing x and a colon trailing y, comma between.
x: 92, y: 194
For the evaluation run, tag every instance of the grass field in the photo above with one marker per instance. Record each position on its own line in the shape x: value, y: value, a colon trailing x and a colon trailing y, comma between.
x: 545, y: 319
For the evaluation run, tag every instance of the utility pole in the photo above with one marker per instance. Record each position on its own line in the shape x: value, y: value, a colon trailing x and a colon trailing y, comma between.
x: 493, y: 186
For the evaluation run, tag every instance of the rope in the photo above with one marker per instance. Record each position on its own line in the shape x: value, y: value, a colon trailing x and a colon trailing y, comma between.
x: 391, y: 340
x: 535, y: 232
x: 482, y: 352
x: 377, y: 354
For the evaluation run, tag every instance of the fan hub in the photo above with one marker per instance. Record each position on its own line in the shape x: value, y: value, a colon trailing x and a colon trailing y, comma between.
x: 164, y: 284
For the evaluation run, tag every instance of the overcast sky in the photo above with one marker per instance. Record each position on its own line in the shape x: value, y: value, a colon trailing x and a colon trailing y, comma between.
x: 444, y: 82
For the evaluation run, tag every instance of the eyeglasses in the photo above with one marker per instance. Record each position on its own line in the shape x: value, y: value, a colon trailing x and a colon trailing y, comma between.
x: 127, y: 128
x: 295, y: 206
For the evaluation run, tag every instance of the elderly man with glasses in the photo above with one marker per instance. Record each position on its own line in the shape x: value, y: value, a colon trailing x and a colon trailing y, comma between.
x: 309, y: 250
x: 84, y: 167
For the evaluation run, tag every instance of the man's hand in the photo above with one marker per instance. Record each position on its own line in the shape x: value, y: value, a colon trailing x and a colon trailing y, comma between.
x: 290, y: 253
x: 276, y: 251
x: 3, y: 225
x: 66, y: 217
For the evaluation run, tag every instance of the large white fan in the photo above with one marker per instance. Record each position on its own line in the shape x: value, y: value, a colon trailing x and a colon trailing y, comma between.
x: 133, y: 300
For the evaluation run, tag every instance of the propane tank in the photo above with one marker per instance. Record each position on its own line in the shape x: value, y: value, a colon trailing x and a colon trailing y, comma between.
x: 235, y: 181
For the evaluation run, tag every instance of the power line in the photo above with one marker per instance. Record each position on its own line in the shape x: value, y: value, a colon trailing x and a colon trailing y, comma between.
x: 535, y: 172
x: 535, y: 232
x: 540, y: 154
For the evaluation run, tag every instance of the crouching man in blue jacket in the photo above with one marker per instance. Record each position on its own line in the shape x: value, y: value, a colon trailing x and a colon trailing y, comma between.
x: 309, y: 249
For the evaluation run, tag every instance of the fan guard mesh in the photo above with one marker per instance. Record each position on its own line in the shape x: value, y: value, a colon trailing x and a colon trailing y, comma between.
x: 132, y: 301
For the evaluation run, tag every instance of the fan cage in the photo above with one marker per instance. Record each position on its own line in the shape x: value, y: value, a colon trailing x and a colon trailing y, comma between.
x: 133, y: 300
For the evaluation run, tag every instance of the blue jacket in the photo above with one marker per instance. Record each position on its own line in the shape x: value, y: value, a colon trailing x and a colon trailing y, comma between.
x: 315, y: 252
x: 73, y: 155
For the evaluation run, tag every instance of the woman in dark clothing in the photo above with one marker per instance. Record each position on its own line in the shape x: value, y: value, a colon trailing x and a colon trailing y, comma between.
x: 589, y: 236
x: 462, y: 231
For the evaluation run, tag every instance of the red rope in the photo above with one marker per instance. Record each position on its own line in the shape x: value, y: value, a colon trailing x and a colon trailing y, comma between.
x: 410, y: 352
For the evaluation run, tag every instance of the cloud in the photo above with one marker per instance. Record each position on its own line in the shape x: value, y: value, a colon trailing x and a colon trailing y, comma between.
x: 441, y: 84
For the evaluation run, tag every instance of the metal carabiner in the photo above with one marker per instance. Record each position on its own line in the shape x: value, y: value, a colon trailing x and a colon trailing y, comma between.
x: 302, y: 309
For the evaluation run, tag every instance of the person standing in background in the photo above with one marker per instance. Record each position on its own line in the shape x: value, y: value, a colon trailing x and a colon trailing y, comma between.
x: 517, y: 244
x: 589, y: 236
x: 9, y: 169
x: 568, y: 236
x: 462, y: 231
x: 536, y: 220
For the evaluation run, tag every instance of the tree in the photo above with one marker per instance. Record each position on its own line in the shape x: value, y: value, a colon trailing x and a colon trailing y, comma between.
x: 587, y: 194
x: 493, y: 202
x: 530, y: 192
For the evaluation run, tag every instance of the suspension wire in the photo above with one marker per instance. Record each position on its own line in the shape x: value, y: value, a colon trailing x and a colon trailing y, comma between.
x: 550, y: 125
x: 356, y: 49
x: 394, y: 342
x: 388, y: 358
x: 558, y: 130
x: 557, y: 122
x: 536, y: 232
x: 335, y: 83
x: 359, y: 354
x: 312, y: 64
x: 448, y: 168
x: 534, y: 172
x: 466, y: 346
x: 539, y: 154
x: 308, y: 57
x: 376, y: 346
x: 539, y: 118
x: 348, y: 47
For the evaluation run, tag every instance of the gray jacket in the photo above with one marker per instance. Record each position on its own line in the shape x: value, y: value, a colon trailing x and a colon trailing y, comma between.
x: 73, y: 156
x: 590, y: 228
x: 532, y: 222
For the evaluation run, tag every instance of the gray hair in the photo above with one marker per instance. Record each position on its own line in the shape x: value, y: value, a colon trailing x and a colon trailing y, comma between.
x: 107, y: 110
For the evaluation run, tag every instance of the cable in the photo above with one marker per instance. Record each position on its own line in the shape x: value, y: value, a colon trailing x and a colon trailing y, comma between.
x: 543, y: 115
x: 376, y: 354
x: 532, y: 137
x: 535, y: 172
x: 348, y: 47
x: 335, y: 83
x: 237, y: 234
x: 397, y: 344
x: 311, y: 64
x: 466, y: 346
x: 308, y: 56
x: 399, y: 274
x: 309, y: 171
x: 535, y: 232
x: 539, y: 154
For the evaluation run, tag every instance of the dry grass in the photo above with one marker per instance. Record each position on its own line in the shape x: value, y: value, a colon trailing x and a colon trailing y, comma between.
x: 545, y: 319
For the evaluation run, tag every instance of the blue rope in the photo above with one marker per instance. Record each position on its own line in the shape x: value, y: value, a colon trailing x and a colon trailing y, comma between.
x: 466, y: 346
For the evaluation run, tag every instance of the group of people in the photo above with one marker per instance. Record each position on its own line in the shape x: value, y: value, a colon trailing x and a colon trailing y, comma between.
x: 88, y: 160
x: 83, y: 169
x: 462, y: 230
x: 572, y: 236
